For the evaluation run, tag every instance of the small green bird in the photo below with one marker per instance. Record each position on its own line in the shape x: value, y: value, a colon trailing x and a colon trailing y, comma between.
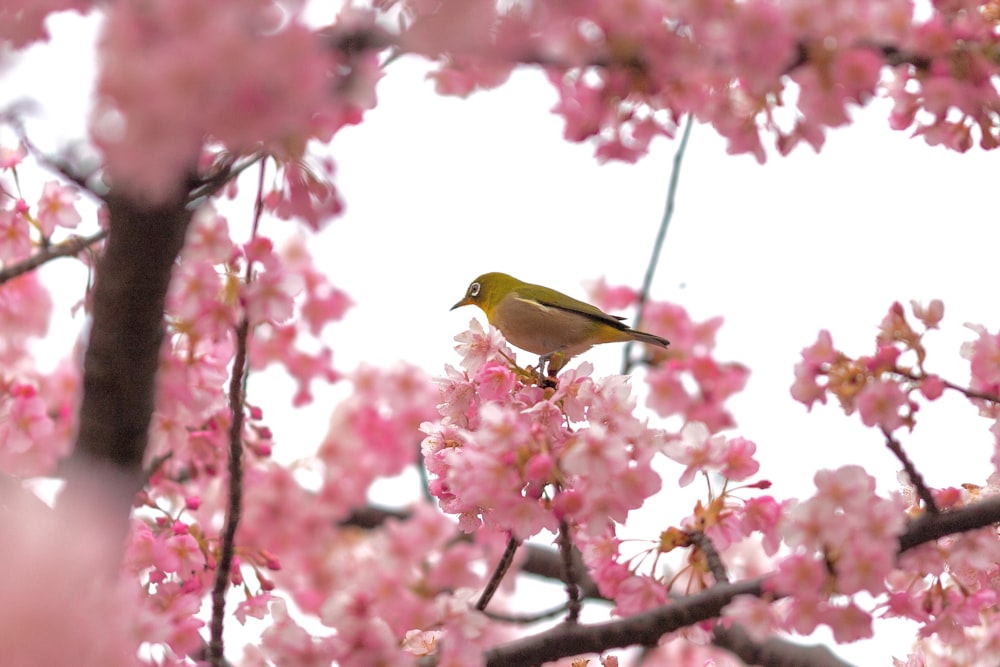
x: 546, y: 322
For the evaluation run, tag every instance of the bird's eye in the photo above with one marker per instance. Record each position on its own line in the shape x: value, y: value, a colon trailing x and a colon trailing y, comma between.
x: 474, y: 289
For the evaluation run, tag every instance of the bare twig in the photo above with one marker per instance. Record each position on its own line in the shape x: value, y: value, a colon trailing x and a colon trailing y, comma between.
x: 527, y: 619
x: 654, y: 260
x: 498, y: 573
x: 237, y: 396
x: 69, y: 248
x: 911, y: 471
x: 226, y: 172
x: 965, y: 391
x: 227, y: 543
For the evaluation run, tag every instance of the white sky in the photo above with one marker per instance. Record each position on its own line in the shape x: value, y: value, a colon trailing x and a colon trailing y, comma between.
x: 439, y: 190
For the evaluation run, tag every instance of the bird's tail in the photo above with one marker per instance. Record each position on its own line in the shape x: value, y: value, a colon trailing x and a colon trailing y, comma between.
x: 652, y: 339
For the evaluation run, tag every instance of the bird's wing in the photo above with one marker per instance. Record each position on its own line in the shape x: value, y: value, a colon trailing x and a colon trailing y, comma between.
x: 585, y: 309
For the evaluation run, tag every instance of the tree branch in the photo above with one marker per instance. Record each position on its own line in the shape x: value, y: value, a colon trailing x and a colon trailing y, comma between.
x: 71, y: 247
x: 774, y: 652
x: 227, y: 543
x: 644, y: 629
x: 122, y: 355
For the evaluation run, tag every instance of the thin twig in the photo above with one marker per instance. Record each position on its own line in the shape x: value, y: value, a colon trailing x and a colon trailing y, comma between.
x: 573, y: 605
x: 59, y: 167
x: 668, y: 214
x: 965, y: 391
x: 69, y: 248
x: 237, y: 394
x: 154, y: 465
x: 498, y: 574
x: 227, y: 545
x: 226, y: 173
x: 911, y: 470
x: 527, y: 619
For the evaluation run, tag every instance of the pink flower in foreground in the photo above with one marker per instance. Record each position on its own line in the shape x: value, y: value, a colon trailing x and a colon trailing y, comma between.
x: 59, y: 577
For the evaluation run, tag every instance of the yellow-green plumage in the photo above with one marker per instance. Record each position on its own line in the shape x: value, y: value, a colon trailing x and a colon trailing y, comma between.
x: 543, y: 321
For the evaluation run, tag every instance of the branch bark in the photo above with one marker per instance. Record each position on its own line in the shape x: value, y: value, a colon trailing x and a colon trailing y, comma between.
x: 122, y: 354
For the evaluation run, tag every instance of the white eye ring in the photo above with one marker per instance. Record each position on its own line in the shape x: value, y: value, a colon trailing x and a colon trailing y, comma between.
x: 474, y: 289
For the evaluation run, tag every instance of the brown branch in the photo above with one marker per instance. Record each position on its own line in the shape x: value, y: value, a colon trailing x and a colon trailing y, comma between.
x: 123, y: 349
x: 715, y: 565
x: 774, y: 652
x: 526, y: 619
x: 929, y: 527
x: 506, y: 559
x: 965, y: 391
x: 911, y: 471
x: 227, y: 546
x: 71, y: 247
x: 644, y: 629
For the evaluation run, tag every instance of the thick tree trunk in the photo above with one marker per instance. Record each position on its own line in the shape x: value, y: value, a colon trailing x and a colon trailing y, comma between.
x: 123, y: 347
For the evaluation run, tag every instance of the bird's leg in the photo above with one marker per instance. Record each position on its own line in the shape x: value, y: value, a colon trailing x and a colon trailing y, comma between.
x: 544, y: 368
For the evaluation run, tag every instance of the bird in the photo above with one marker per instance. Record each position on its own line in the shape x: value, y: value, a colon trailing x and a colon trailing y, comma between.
x: 545, y: 322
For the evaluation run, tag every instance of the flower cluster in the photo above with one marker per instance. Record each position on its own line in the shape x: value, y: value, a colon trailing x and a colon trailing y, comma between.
x: 844, y: 541
x: 686, y: 380
x: 520, y: 457
x: 245, y: 73
x: 881, y: 387
x: 625, y: 72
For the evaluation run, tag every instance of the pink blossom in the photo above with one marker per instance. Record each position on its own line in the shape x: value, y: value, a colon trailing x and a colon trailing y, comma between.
x: 495, y: 381
x: 702, y: 452
x: 762, y: 514
x: 739, y: 463
x: 815, y: 358
x: 880, y: 404
x: 610, y: 298
x: 930, y: 314
x: 10, y: 158
x: 15, y: 236
x: 848, y: 622
x: 269, y: 298
x: 758, y: 617
x: 208, y: 237
x: 477, y: 346
x: 23, y: 21
x: 56, y: 208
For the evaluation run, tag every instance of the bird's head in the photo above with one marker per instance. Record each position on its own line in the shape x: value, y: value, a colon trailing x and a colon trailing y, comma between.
x: 487, y: 290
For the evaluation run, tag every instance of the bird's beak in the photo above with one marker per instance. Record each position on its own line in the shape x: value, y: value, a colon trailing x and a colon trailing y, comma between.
x: 464, y: 302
